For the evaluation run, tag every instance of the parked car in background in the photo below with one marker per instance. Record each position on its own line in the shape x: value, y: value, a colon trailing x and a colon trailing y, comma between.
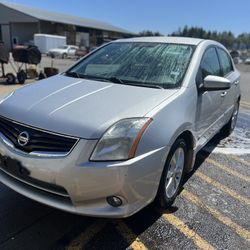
x: 237, y: 60
x: 247, y: 61
x: 63, y: 51
x: 93, y: 48
x: 120, y: 128
x: 82, y: 51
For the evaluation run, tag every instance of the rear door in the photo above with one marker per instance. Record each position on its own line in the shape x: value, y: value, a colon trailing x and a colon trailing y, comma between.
x: 209, y: 112
x: 229, y: 96
x: 72, y: 51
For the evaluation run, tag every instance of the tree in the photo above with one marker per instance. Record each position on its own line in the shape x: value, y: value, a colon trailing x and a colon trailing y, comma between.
x: 226, y: 37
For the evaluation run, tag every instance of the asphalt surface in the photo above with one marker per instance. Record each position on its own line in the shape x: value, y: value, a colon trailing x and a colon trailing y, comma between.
x: 211, y: 212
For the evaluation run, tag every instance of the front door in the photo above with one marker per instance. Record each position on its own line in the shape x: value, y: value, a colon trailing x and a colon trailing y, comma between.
x: 209, y: 105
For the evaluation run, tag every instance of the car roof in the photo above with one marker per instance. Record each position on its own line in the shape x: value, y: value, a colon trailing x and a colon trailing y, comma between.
x: 164, y: 39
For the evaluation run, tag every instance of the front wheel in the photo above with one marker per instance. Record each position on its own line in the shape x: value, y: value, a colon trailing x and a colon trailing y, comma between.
x: 173, y: 173
x: 21, y: 77
x: 10, y: 78
x: 64, y: 55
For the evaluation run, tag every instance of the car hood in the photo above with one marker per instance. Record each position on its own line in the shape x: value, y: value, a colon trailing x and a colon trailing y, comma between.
x: 79, y: 107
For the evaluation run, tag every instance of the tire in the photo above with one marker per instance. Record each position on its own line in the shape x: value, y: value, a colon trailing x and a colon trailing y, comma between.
x: 10, y: 78
x: 41, y: 76
x: 230, y: 126
x: 64, y: 55
x: 166, y: 196
x: 21, y: 77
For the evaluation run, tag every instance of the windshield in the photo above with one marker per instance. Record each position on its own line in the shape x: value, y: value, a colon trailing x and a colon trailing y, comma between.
x: 152, y: 64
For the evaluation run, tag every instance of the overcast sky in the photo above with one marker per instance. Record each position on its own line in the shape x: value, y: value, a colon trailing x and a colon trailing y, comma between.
x: 164, y: 16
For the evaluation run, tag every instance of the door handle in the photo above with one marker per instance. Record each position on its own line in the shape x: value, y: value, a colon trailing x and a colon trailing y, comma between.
x: 237, y: 82
x: 223, y: 94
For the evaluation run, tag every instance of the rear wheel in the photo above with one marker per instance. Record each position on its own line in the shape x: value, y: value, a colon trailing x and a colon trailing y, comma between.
x: 41, y: 76
x: 230, y: 126
x: 21, y: 77
x: 172, y: 176
x: 10, y: 78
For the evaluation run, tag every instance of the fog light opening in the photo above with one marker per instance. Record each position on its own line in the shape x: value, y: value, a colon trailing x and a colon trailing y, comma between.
x: 114, y: 201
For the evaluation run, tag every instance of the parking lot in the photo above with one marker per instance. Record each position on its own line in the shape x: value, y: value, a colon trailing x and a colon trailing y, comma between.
x: 211, y: 212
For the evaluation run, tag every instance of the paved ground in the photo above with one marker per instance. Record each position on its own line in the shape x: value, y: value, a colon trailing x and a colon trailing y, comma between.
x: 245, y: 82
x: 61, y: 64
x: 212, y: 211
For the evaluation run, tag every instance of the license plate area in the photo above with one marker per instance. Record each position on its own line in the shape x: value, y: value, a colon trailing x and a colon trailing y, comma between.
x: 13, y: 167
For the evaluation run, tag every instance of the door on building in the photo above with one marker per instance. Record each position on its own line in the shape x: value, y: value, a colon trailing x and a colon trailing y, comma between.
x: 82, y: 39
x: 15, y: 41
x: 5, y: 31
x: 1, y: 39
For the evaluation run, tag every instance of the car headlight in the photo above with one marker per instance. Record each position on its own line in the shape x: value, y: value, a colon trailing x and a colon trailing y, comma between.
x: 120, y: 141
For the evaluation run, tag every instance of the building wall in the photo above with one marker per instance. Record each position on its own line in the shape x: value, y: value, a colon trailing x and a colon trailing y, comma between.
x: 23, y: 32
x: 15, y: 24
x: 5, y: 30
x: 8, y: 16
x: 47, y: 28
x: 59, y: 29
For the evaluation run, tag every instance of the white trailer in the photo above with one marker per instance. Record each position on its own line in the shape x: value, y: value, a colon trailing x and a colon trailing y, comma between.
x: 45, y: 42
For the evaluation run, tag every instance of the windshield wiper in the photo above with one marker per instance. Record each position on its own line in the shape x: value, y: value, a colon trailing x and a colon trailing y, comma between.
x: 113, y: 80
x: 83, y: 76
x: 116, y: 80
x: 97, y: 78
x: 155, y: 86
x: 73, y: 74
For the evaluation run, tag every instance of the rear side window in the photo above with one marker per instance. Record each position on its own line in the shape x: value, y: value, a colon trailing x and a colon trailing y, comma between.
x: 225, y: 61
x: 210, y: 63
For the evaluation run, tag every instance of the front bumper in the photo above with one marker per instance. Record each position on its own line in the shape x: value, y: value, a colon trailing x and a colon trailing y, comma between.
x: 87, y: 184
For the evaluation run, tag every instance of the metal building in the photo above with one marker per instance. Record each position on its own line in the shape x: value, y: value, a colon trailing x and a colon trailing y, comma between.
x: 19, y: 23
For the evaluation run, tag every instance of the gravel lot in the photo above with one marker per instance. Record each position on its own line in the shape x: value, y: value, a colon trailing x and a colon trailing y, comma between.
x: 212, y: 211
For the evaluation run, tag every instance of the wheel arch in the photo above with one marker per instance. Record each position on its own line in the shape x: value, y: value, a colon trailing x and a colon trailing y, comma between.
x: 190, y: 141
x: 239, y: 98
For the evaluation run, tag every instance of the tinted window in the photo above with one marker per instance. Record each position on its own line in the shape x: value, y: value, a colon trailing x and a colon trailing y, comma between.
x: 138, y: 62
x: 226, y: 63
x: 210, y: 63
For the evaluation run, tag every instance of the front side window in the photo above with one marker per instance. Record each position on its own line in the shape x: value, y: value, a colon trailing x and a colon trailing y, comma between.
x: 138, y: 63
x: 226, y: 62
x: 210, y: 63
x: 62, y: 47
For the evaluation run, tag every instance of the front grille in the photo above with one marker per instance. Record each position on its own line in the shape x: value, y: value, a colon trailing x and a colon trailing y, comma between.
x: 39, y: 141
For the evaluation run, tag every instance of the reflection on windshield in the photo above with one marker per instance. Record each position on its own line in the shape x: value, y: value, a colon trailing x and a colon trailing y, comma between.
x: 158, y: 64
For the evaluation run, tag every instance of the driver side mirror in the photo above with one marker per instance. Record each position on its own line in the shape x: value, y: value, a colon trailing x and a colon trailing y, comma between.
x: 213, y: 83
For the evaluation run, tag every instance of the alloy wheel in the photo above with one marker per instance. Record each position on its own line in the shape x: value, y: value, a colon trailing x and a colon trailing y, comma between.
x: 173, y: 177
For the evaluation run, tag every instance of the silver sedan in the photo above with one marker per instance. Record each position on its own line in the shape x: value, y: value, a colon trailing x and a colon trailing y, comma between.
x: 120, y: 128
